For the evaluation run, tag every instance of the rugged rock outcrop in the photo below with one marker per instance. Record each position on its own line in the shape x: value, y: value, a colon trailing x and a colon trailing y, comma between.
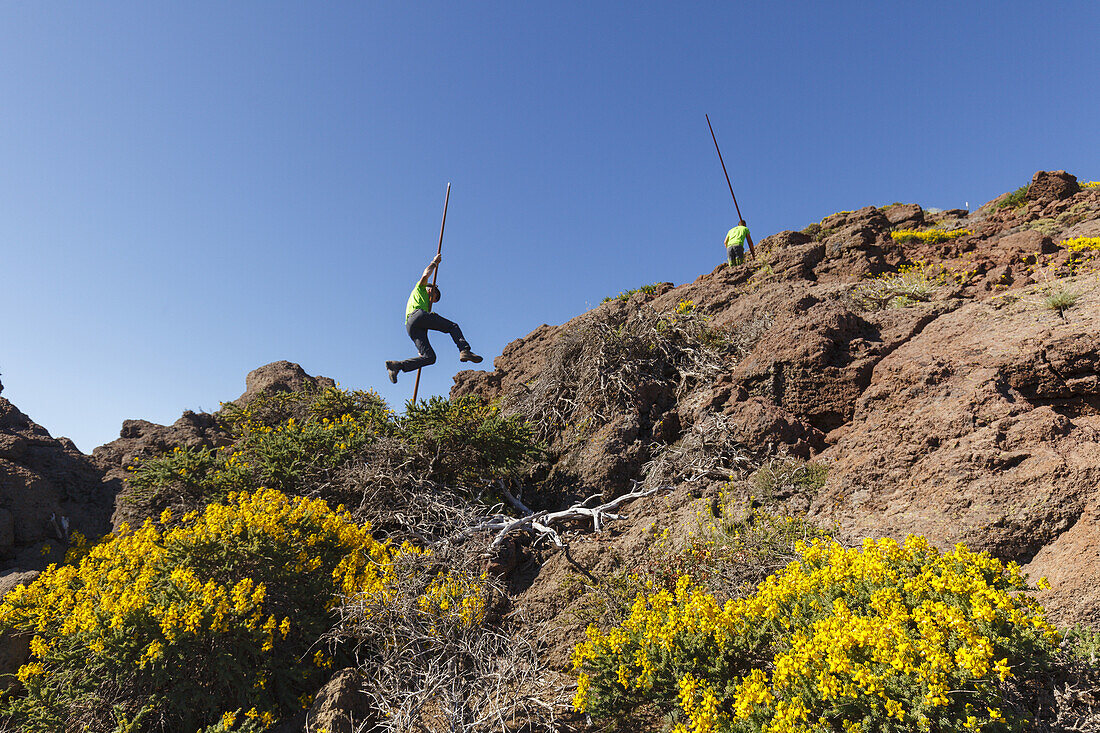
x: 970, y: 413
x: 48, y: 489
x: 141, y: 438
x: 984, y: 429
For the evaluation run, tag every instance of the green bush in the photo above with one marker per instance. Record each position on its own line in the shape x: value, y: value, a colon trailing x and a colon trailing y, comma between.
x: 886, y: 637
x: 1083, y: 643
x: 625, y: 295
x: 1013, y: 200
x: 467, y: 440
x: 298, y: 441
x: 818, y: 232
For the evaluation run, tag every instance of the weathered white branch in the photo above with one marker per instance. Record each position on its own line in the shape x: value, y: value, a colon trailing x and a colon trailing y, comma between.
x: 541, y: 522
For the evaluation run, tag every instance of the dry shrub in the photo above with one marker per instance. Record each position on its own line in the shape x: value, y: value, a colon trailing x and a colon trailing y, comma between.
x: 439, y: 658
x: 707, y: 452
x: 398, y: 501
x: 597, y: 370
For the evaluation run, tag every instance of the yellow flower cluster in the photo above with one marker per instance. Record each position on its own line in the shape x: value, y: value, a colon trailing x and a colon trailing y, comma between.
x: 454, y: 597
x: 1082, y: 244
x: 928, y: 236
x: 685, y: 306
x: 1090, y: 184
x: 148, y: 599
x: 887, y: 630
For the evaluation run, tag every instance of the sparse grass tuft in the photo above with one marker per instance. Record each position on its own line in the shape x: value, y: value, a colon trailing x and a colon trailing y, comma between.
x: 784, y: 476
x: 1061, y: 300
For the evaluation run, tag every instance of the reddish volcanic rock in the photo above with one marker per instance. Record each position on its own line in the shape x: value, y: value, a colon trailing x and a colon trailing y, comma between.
x: 972, y: 417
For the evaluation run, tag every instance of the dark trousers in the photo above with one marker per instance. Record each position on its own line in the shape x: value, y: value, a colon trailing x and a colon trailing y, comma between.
x: 418, y: 325
x: 735, y: 254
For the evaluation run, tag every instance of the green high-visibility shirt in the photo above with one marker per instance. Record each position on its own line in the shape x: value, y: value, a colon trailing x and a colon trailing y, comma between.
x: 736, y: 236
x: 418, y: 301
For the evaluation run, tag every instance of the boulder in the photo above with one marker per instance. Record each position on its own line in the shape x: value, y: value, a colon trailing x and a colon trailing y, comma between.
x: 791, y: 255
x: 340, y: 706
x: 984, y: 429
x: 15, y: 649
x: 1047, y: 186
x: 280, y: 376
x: 904, y: 216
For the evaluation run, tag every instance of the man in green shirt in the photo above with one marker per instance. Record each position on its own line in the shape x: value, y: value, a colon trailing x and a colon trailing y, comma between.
x: 735, y: 243
x: 419, y: 319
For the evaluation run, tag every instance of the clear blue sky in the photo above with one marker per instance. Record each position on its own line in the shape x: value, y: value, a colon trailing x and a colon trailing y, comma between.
x: 191, y: 190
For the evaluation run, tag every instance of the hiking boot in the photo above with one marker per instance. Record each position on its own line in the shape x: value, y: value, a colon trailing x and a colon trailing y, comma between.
x: 391, y: 369
x: 467, y: 355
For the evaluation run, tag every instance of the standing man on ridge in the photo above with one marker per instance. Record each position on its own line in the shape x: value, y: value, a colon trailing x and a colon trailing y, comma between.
x: 735, y: 243
x: 419, y: 319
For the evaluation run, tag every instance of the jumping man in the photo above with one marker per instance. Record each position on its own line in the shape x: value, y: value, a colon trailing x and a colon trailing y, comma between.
x: 735, y: 243
x: 419, y: 319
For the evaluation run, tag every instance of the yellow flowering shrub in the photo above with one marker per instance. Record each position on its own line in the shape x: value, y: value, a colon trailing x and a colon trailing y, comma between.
x: 455, y: 597
x: 177, y: 622
x: 884, y: 637
x: 1090, y: 184
x: 1082, y: 244
x: 916, y: 282
x: 927, y: 236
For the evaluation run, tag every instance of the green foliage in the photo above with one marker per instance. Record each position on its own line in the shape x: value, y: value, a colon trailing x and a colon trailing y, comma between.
x: 1014, y: 200
x: 275, y: 408
x: 167, y: 627
x: 182, y: 477
x: 886, y: 637
x: 817, y: 232
x: 297, y: 441
x: 625, y: 295
x: 1083, y: 643
x: 467, y: 440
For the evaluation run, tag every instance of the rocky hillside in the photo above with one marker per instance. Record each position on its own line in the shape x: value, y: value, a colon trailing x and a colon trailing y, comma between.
x: 942, y: 383
x: 885, y: 371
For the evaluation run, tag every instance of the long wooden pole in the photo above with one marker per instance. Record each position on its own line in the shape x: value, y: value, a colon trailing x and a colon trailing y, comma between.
x: 435, y: 273
x: 752, y: 251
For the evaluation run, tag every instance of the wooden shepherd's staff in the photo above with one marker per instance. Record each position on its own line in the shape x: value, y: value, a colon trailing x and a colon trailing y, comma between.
x: 752, y: 251
x: 435, y: 274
